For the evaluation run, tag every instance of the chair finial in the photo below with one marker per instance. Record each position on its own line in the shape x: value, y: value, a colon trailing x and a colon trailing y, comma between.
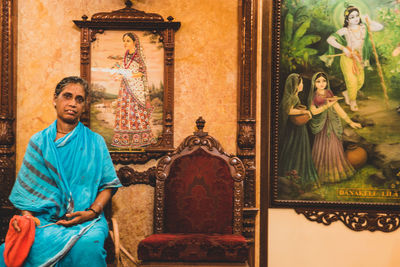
x: 128, y: 3
x: 200, y: 122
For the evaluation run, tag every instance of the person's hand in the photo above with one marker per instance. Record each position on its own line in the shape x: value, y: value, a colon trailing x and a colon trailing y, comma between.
x: 136, y: 74
x: 346, y: 51
x: 148, y: 102
x: 366, y: 18
x: 355, y: 125
x: 331, y: 102
x: 307, y: 112
x: 16, y: 226
x: 116, y: 76
x: 77, y: 218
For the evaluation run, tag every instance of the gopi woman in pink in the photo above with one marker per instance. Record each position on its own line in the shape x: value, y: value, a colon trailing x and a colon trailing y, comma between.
x: 327, y: 151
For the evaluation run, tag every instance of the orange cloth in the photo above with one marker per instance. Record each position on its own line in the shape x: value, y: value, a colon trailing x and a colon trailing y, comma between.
x: 18, y: 244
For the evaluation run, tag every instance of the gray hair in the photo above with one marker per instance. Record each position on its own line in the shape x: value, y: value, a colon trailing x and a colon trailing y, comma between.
x: 72, y: 80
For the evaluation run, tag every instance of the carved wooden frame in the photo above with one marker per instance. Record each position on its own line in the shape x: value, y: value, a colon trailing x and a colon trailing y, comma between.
x: 246, y: 124
x: 356, y: 216
x: 129, y: 18
x: 8, y: 108
x: 199, y: 140
x: 129, y: 176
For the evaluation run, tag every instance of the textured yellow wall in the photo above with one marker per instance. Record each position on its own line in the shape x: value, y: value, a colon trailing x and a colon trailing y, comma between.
x: 205, y: 67
x: 48, y: 50
x: 206, y: 70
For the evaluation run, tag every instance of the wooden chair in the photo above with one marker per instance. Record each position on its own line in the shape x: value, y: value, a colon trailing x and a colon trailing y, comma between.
x: 198, y: 207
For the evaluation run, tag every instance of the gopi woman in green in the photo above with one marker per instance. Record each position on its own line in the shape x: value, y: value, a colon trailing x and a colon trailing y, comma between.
x: 295, y: 151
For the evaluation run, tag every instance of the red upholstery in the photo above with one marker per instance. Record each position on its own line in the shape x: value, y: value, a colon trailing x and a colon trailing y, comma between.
x: 199, y: 197
x: 193, y: 247
x: 198, y: 206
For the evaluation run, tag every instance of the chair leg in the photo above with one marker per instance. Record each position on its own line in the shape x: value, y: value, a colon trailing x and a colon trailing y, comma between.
x: 129, y: 256
x: 118, y: 246
x: 115, y: 238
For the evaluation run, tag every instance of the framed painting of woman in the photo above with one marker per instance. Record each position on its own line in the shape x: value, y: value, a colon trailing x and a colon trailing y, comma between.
x: 127, y: 56
x: 332, y: 104
x: 127, y: 89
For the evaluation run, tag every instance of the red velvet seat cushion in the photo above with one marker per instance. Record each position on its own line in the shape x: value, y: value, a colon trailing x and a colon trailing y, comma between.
x: 193, y: 247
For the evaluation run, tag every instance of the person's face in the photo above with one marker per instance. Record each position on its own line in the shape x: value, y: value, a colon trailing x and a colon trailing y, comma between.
x: 70, y: 103
x: 354, y: 18
x: 320, y: 83
x: 300, y: 87
x: 129, y: 44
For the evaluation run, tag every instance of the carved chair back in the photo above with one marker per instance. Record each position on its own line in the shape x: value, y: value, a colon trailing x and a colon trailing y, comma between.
x: 199, y: 188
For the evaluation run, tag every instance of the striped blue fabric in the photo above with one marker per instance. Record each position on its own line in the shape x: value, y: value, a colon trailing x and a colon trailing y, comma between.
x: 58, y: 177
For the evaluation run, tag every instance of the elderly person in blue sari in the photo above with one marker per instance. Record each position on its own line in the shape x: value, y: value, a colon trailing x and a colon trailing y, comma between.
x: 65, y: 180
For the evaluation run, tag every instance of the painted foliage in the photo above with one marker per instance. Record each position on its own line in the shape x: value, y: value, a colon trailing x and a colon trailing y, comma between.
x: 339, y: 101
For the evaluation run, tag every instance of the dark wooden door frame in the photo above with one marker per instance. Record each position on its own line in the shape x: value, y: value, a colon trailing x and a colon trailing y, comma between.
x: 7, y: 109
x: 246, y: 121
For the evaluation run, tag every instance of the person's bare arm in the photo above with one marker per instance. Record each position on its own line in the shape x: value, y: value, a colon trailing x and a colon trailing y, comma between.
x: 315, y: 111
x: 333, y: 42
x: 345, y: 117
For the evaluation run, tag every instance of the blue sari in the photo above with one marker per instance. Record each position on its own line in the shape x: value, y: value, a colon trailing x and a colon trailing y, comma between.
x: 59, y: 177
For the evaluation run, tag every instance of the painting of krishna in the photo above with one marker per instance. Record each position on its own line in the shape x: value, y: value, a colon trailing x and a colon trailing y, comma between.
x: 336, y: 121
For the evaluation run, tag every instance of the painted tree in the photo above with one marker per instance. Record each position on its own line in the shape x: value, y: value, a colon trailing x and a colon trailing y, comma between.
x: 295, y: 43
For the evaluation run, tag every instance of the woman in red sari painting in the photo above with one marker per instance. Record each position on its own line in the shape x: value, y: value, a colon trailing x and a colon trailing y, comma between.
x: 132, y: 127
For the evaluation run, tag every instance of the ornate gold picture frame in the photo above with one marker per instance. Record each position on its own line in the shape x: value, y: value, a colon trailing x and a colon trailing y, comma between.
x: 296, y: 39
